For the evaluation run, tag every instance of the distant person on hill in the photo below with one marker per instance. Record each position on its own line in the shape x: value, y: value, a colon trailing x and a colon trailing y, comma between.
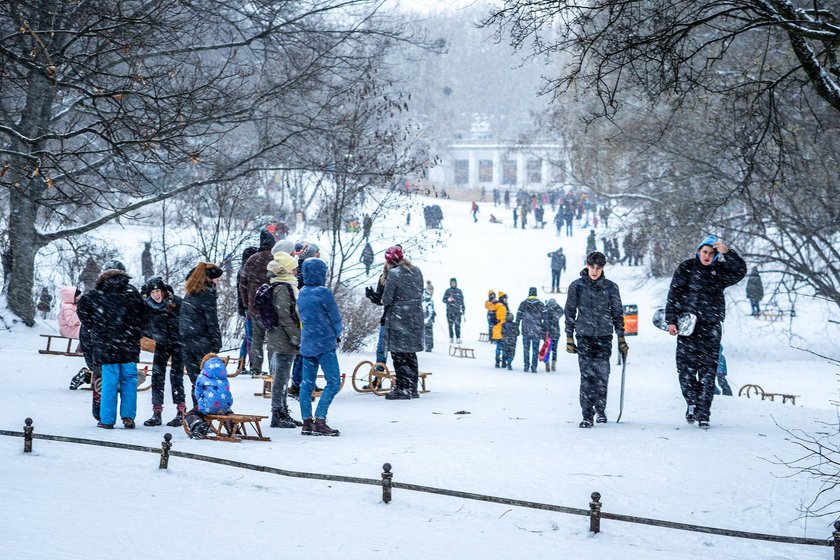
x: 453, y: 298
x: 697, y: 287
x: 367, y: 258
x: 474, y: 212
x: 558, y: 265
x: 593, y: 311
x: 591, y: 242
x: 755, y: 292
x: 515, y: 217
x: 44, y: 302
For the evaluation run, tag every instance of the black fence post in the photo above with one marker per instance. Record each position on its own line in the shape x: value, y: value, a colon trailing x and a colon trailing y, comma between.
x: 836, y: 536
x: 27, y: 435
x: 165, y: 446
x: 595, y: 513
x: 387, y: 477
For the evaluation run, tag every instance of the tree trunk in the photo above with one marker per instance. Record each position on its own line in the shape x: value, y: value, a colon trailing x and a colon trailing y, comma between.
x: 24, y: 243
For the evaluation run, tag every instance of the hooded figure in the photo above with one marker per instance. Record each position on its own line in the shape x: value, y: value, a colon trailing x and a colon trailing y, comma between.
x: 115, y: 316
x: 697, y: 287
x: 68, y: 318
x: 321, y: 331
x: 453, y: 297
x: 212, y: 389
x: 255, y: 274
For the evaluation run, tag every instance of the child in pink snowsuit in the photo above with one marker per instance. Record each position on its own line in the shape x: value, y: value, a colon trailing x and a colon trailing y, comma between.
x: 68, y: 319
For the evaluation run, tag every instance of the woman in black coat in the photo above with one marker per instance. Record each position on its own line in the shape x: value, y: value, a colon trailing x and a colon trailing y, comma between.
x: 163, y: 326
x: 199, y: 321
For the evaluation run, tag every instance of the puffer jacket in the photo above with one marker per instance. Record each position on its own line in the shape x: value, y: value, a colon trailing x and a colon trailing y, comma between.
x: 593, y: 307
x: 321, y: 326
x: 529, y: 317
x: 551, y: 322
x: 164, y: 319
x: 68, y: 319
x: 696, y: 288
x: 285, y: 339
x: 114, y: 315
x: 212, y: 389
x: 501, y: 317
x: 403, y: 301
x: 198, y: 324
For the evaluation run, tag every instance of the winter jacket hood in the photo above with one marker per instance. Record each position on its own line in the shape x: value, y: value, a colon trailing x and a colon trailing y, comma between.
x: 698, y: 289
x: 709, y: 240
x: 113, y: 278
x: 314, y: 272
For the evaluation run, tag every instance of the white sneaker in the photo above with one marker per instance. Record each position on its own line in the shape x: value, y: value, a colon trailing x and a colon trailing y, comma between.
x: 457, y: 341
x: 451, y: 341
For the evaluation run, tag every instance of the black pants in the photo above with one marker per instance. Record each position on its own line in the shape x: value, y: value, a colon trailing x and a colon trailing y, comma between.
x: 405, y: 368
x: 454, y: 326
x: 697, y: 358
x: 428, y: 336
x: 594, y: 360
x: 163, y: 353
x: 192, y: 362
x: 530, y: 352
x: 555, y: 280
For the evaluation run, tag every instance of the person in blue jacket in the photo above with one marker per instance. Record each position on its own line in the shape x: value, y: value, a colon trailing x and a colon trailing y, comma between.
x: 212, y: 395
x: 321, y: 331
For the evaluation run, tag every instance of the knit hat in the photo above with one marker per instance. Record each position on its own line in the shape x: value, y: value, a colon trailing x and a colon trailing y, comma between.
x: 155, y: 283
x: 310, y: 251
x: 214, y: 272
x: 247, y: 253
x: 502, y: 294
x: 282, y: 263
x: 284, y: 245
x: 113, y: 264
x: 490, y: 293
x: 532, y: 291
x: 267, y: 240
x: 393, y: 255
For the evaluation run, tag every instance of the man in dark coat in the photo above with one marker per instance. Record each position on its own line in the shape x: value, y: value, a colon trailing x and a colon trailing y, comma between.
x: 755, y: 292
x: 367, y: 223
x: 147, y: 267
x: 697, y: 287
x: 115, y: 316
x: 551, y: 323
x: 529, y: 319
x: 367, y: 258
x: 255, y: 275
x: 403, y: 328
x: 593, y: 312
x: 453, y: 297
x: 558, y: 265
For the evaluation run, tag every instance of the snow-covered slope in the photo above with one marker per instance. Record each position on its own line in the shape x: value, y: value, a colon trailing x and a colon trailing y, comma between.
x: 520, y: 440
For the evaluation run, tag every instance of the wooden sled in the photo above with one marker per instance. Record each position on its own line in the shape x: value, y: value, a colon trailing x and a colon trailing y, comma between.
x: 368, y: 379
x: 461, y: 352
x: 230, y: 427
x: 547, y: 290
x: 758, y: 391
x: 68, y: 351
x: 268, y: 381
x: 483, y: 337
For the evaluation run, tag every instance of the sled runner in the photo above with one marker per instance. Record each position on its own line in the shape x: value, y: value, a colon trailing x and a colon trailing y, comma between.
x: 66, y: 352
x: 461, y: 352
x: 368, y: 378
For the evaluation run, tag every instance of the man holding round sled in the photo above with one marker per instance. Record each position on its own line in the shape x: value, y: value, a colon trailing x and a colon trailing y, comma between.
x: 594, y: 311
x: 697, y: 289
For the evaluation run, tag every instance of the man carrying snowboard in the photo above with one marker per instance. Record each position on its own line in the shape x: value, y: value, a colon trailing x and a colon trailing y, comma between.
x: 594, y: 311
x: 697, y: 287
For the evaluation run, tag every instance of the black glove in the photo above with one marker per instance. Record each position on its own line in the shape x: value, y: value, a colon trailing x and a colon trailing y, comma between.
x: 338, y: 341
x: 622, y: 346
x: 571, y: 347
x: 369, y: 293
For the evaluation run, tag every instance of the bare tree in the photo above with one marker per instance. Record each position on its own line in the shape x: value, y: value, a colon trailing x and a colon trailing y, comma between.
x: 100, y: 101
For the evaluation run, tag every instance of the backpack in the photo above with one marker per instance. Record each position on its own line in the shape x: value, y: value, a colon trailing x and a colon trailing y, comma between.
x: 264, y: 304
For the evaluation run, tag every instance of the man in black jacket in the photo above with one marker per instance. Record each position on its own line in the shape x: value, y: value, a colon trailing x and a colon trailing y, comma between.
x: 115, y: 315
x: 594, y: 311
x: 529, y: 318
x: 558, y: 265
x: 697, y: 287
x: 453, y: 297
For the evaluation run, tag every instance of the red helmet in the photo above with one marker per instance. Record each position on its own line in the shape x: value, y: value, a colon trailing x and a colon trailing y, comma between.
x: 394, y: 254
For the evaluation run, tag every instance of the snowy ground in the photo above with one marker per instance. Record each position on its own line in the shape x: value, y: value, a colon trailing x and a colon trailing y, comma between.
x: 519, y: 440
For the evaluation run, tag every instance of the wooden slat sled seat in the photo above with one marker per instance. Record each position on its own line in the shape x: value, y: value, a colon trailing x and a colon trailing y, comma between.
x: 60, y: 342
x: 232, y: 427
x: 461, y: 352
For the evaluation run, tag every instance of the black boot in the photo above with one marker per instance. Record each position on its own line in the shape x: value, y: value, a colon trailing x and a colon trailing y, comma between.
x: 177, y: 421
x: 155, y: 420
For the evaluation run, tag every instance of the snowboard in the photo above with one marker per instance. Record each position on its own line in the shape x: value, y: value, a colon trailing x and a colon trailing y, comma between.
x: 685, y: 322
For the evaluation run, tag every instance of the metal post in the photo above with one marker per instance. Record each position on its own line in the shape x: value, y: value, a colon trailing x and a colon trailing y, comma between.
x: 595, y: 513
x: 165, y: 446
x: 836, y: 536
x: 387, y: 483
x: 27, y: 435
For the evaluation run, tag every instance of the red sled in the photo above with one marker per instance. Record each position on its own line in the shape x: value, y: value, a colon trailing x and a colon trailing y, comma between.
x: 545, y: 350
